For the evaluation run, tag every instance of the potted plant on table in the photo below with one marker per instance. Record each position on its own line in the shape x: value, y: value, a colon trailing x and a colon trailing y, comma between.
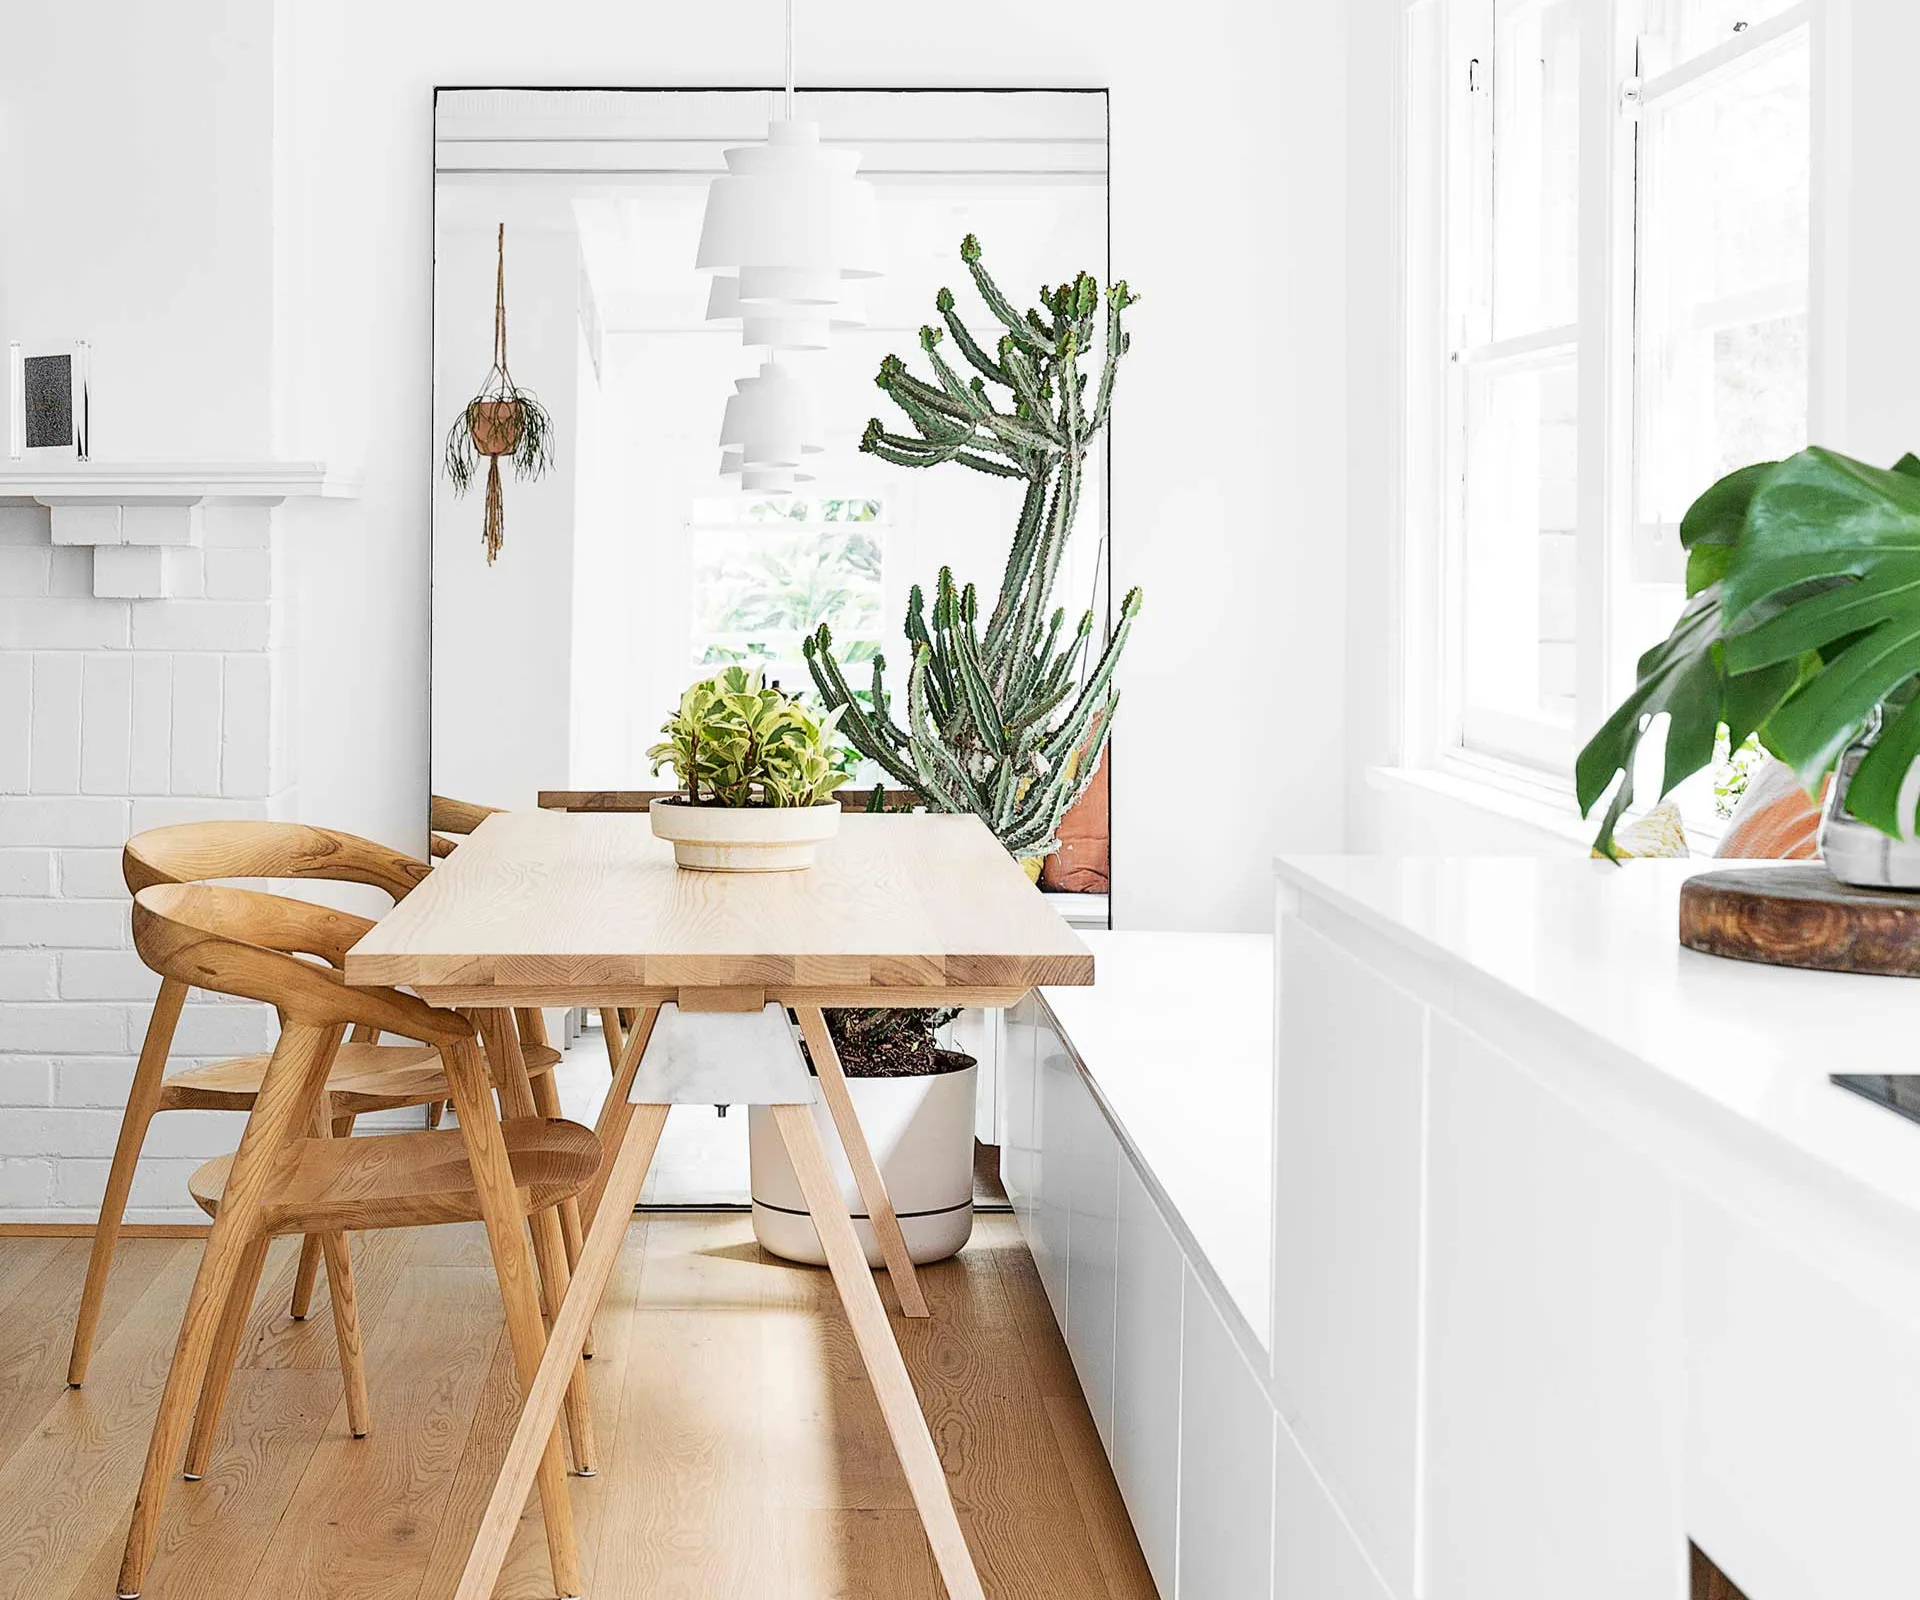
x: 757, y: 775
x: 1801, y: 626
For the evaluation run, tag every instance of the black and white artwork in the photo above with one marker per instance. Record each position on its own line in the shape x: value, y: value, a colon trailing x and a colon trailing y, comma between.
x: 48, y: 403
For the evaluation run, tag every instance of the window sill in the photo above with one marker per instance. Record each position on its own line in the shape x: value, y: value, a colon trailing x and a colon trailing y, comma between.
x: 1531, y: 802
x: 1520, y: 797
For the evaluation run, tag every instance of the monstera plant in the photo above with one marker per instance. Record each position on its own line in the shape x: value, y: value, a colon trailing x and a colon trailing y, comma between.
x: 1801, y: 626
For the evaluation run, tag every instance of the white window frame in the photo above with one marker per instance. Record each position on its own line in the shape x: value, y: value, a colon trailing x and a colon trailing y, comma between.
x: 1437, y: 41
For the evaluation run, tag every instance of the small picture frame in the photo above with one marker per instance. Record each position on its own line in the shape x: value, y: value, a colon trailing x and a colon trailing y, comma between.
x: 47, y: 399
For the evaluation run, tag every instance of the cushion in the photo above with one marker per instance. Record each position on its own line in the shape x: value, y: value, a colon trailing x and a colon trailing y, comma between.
x: 1660, y: 834
x: 1775, y: 820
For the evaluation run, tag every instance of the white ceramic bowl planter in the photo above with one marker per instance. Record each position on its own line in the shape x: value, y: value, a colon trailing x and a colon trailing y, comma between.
x: 921, y: 1132
x: 744, y: 838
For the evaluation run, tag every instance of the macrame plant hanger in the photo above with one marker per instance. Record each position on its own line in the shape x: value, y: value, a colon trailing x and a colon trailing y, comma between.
x: 499, y: 382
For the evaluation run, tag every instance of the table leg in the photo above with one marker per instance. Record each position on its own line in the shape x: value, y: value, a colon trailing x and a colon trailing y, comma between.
x: 501, y: 1035
x: 912, y: 1443
x: 616, y: 1111
x: 507, y: 1240
x: 866, y: 1171
x: 546, y: 1391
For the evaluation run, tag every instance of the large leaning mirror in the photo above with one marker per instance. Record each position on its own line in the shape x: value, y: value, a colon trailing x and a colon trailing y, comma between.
x: 572, y: 606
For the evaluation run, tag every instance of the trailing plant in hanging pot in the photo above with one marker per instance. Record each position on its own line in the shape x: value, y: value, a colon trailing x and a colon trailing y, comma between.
x: 501, y: 421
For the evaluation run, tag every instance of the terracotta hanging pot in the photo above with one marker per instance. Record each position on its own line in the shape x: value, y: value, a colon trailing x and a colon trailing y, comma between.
x: 496, y: 426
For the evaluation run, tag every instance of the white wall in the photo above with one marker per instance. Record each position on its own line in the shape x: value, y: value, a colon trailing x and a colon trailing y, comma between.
x: 503, y: 633
x: 1228, y: 200
x: 136, y: 188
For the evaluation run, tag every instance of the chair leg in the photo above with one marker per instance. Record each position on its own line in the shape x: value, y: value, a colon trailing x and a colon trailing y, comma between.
x: 142, y: 1101
x: 309, y: 1270
x: 305, y: 1277
x: 546, y: 1101
x: 346, y: 1328
x: 226, y: 1349
x: 550, y: 1255
x: 284, y: 1106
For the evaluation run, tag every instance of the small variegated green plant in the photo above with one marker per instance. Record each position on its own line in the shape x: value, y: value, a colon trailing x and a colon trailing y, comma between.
x: 738, y: 741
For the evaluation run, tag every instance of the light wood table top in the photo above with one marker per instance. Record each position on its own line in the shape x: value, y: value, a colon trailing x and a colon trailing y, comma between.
x: 572, y: 909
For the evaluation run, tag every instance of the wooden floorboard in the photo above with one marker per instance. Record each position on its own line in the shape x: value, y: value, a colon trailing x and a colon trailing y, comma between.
x: 742, y: 1452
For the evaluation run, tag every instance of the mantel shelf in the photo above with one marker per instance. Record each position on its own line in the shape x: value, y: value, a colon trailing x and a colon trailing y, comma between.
x: 174, y: 482
x: 129, y: 513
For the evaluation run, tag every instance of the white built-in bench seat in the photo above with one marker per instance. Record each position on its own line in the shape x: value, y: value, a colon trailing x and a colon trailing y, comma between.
x: 1176, y: 1041
x: 1135, y: 1127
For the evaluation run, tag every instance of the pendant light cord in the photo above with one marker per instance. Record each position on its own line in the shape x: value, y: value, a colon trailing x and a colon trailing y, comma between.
x: 789, y: 60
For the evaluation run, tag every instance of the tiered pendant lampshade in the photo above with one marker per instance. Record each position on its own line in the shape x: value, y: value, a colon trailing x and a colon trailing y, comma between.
x: 770, y: 427
x: 785, y: 327
x: 788, y: 230
x: 790, y: 221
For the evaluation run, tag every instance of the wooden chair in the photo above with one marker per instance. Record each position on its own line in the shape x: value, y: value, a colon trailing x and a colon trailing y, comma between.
x: 288, y: 1177
x: 448, y: 821
x: 366, y: 1075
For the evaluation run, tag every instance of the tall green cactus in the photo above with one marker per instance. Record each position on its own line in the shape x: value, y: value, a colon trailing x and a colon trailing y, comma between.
x: 1009, y: 722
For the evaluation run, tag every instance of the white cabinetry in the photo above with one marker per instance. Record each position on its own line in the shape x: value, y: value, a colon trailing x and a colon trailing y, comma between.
x: 1226, y: 1462
x: 1092, y: 1244
x: 1803, y: 1417
x: 1347, y: 1150
x: 1554, y: 1355
x: 1145, y: 1446
x: 1315, y: 1553
x: 1058, y: 1091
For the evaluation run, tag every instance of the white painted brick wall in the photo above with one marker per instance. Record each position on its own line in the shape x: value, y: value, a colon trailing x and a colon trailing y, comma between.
x: 118, y: 715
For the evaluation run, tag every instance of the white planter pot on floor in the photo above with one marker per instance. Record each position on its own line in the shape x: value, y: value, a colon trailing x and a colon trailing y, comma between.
x: 921, y: 1132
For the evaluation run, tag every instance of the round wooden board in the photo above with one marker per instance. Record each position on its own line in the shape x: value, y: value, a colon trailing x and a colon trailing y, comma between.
x: 1798, y: 916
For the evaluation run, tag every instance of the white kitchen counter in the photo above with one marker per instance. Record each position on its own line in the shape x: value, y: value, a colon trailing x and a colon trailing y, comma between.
x: 1590, y: 952
x: 1579, y: 1259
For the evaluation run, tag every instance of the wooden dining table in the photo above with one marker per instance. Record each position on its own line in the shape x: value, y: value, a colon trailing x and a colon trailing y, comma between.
x: 547, y: 908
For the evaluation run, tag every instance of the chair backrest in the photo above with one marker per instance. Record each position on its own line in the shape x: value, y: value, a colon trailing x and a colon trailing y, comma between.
x: 241, y: 942
x: 452, y: 817
x: 192, y: 852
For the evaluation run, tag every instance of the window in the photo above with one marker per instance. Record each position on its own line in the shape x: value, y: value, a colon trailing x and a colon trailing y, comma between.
x: 1607, y: 247
x: 767, y: 572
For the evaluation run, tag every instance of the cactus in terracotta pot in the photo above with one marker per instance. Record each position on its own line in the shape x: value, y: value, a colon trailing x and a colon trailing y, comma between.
x: 1008, y: 710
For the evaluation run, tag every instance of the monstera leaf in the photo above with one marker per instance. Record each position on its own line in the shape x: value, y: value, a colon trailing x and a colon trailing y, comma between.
x: 1829, y: 565
x: 1685, y: 675
x: 1802, y: 624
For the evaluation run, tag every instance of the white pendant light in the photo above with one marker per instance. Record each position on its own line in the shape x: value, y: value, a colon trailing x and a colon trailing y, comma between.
x: 761, y: 480
x: 790, y: 221
x: 785, y: 328
x: 771, y: 420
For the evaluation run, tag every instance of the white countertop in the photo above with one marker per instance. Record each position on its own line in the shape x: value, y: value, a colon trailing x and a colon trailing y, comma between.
x: 1595, y: 946
x: 1176, y: 1036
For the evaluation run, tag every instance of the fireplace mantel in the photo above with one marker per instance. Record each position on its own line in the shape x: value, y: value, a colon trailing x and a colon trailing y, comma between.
x: 131, y: 512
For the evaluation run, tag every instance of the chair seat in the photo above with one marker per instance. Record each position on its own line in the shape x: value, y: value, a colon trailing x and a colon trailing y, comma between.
x: 365, y: 1077
x: 407, y: 1180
